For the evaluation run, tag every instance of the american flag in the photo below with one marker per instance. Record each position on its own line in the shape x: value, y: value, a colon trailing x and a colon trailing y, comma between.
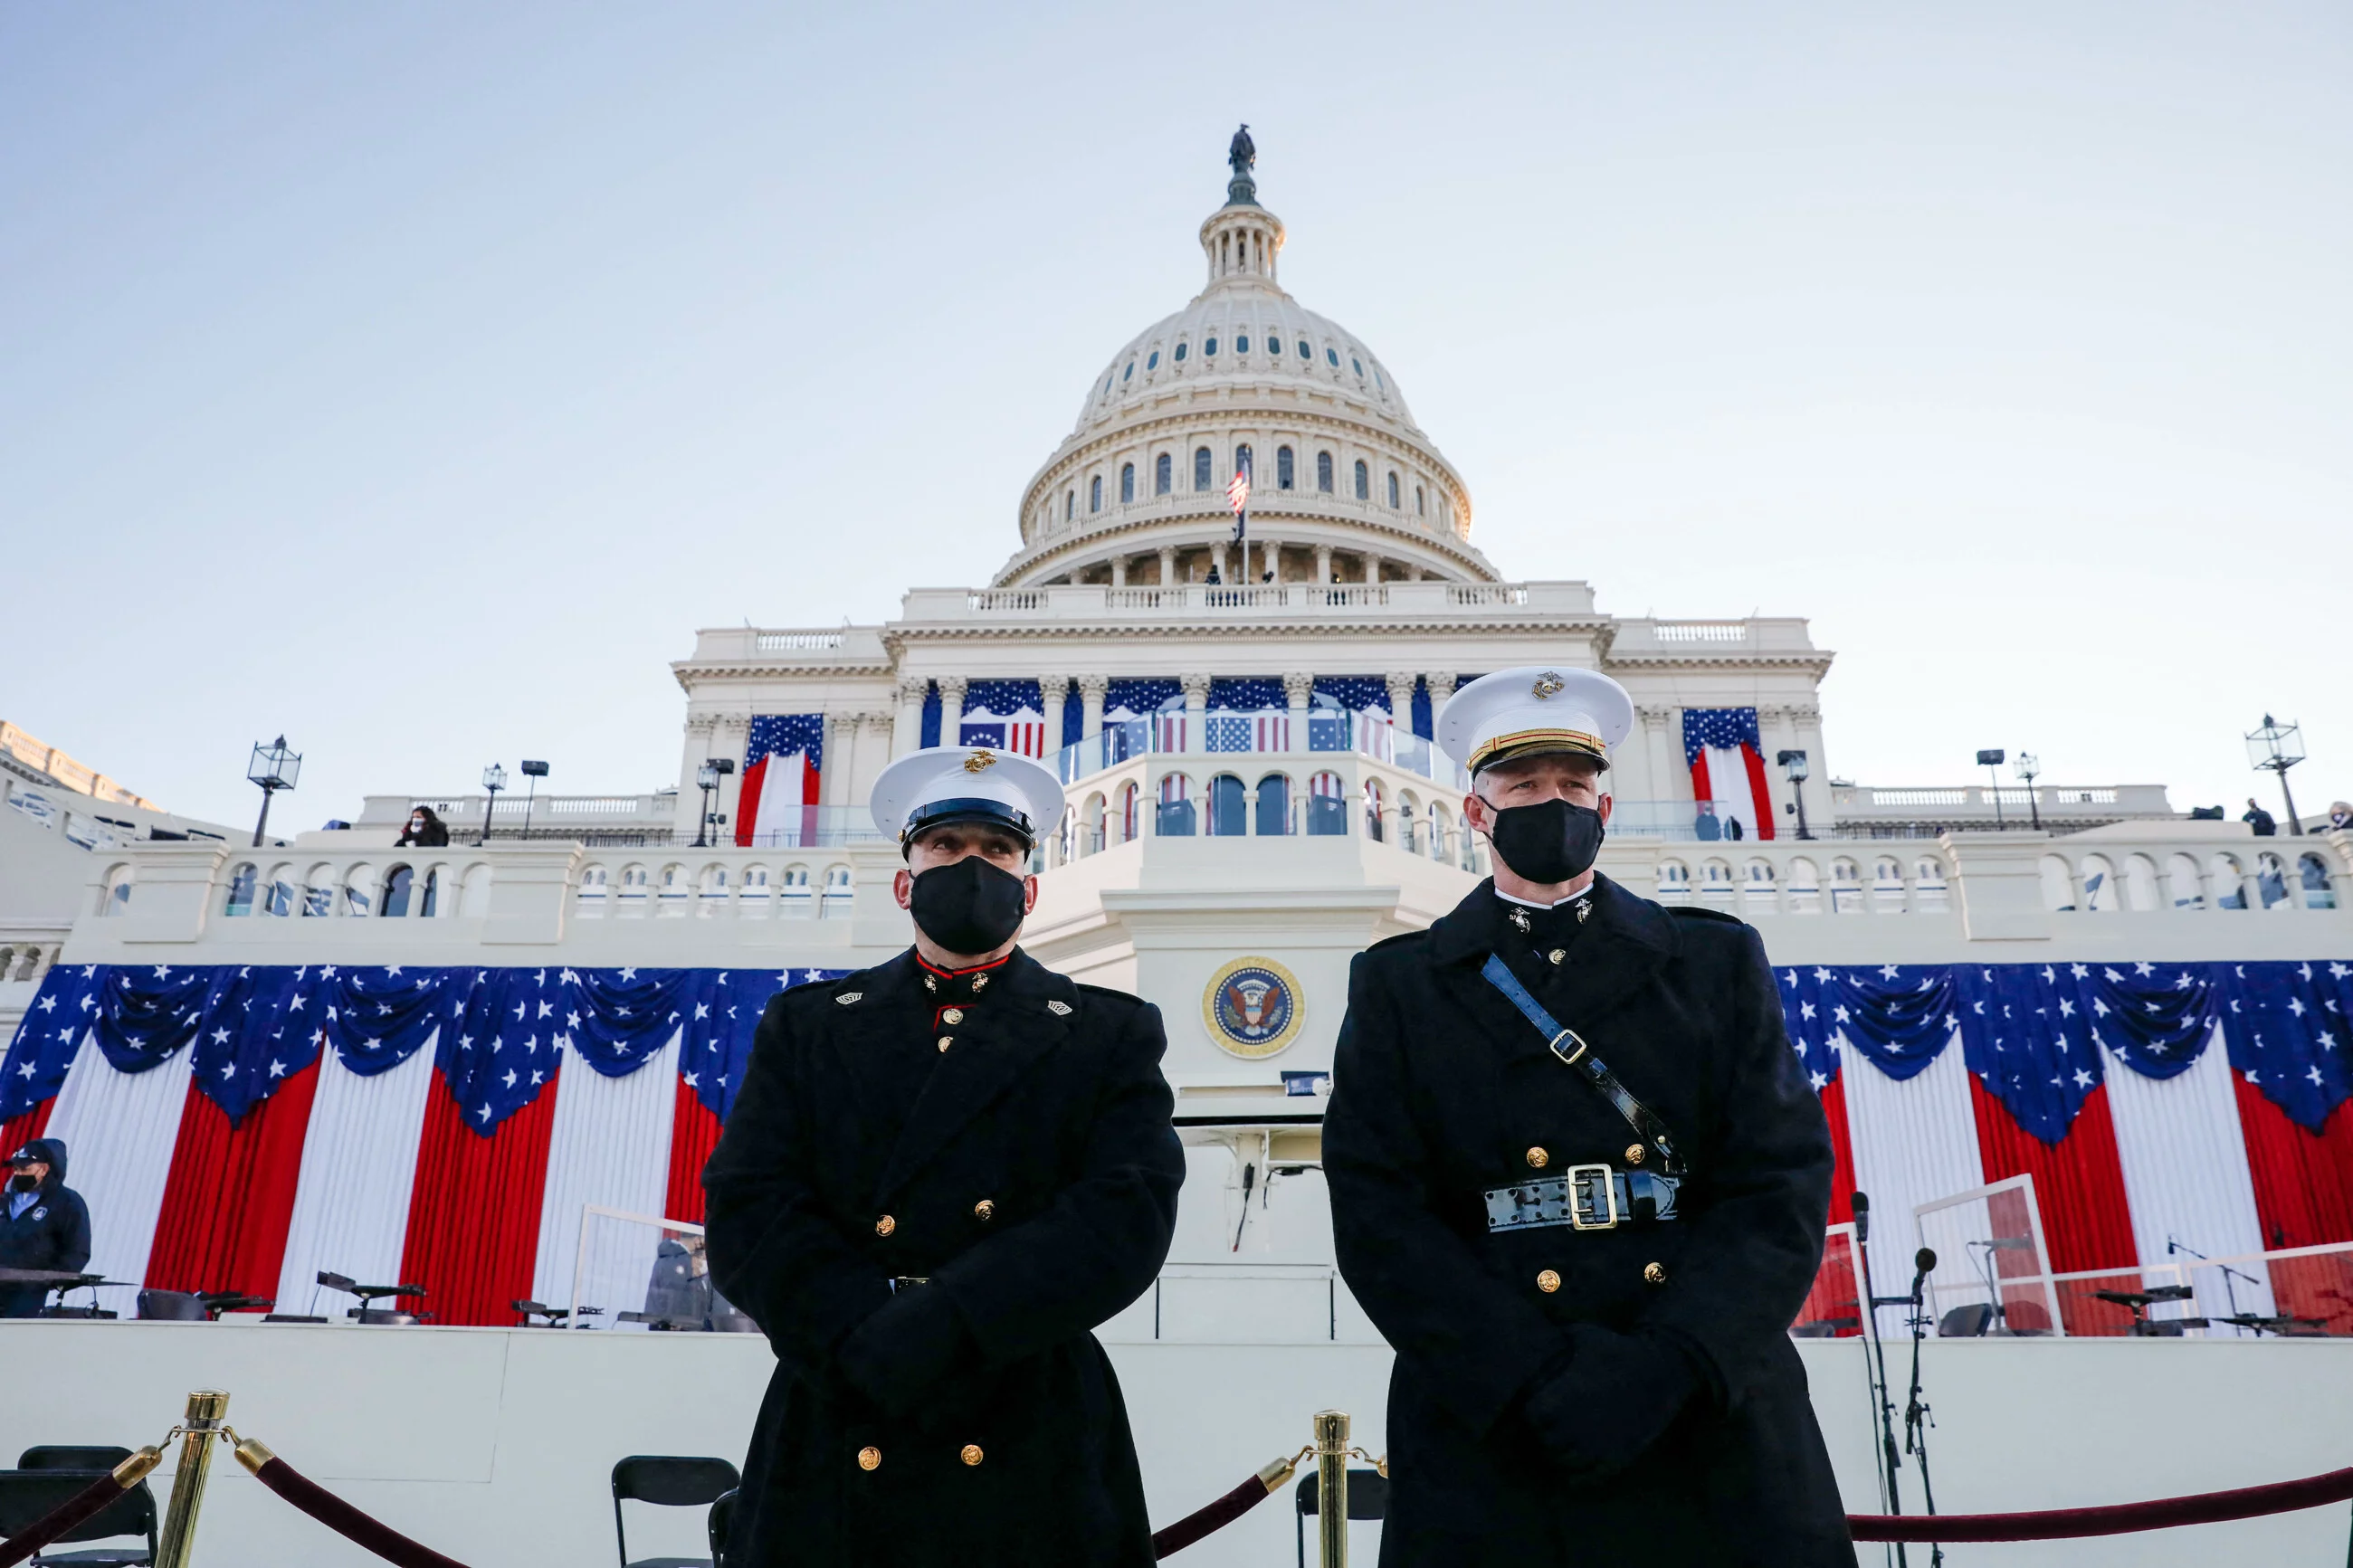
x: 1237, y: 492
x: 1249, y: 733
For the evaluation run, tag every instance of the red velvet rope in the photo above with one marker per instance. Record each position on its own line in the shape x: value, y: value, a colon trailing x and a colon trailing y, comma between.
x: 1205, y: 1521
x: 83, y: 1505
x: 2116, y: 1518
x: 346, y: 1520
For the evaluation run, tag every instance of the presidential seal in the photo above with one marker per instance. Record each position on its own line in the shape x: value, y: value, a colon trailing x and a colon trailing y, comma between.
x: 1251, y: 1008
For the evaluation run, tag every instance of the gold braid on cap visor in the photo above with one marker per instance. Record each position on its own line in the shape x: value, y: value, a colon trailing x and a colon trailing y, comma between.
x: 1529, y: 743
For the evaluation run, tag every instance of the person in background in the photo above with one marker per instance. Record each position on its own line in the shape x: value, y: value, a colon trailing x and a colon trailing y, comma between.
x: 2256, y: 818
x: 1733, y: 830
x: 43, y: 1224
x: 1706, y: 826
x: 425, y: 830
x: 2341, y: 816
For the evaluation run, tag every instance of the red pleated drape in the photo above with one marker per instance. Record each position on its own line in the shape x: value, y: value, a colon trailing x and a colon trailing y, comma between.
x: 230, y: 1195
x: 1760, y: 797
x: 2079, y: 1186
x: 1833, y: 1099
x: 473, y: 1213
x: 26, y: 1125
x: 694, y: 1133
x: 2304, y: 1181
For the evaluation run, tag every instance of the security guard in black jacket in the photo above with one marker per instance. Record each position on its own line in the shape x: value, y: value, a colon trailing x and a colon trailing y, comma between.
x: 940, y: 1175
x: 1580, y: 1184
x: 43, y: 1224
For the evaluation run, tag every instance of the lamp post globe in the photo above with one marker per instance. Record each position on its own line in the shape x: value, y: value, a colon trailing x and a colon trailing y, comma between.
x: 2275, y: 748
x: 274, y: 767
x: 1794, y: 768
x: 494, y: 779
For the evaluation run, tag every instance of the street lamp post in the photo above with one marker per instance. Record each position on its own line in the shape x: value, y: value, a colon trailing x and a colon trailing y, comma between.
x: 706, y: 779
x: 2029, y: 768
x: 274, y: 768
x: 1793, y: 766
x: 534, y: 772
x: 2275, y: 748
x: 1990, y: 760
x: 494, y: 779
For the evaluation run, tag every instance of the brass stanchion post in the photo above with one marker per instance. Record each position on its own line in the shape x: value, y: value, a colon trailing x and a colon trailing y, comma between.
x: 1331, y: 1487
x: 201, y: 1428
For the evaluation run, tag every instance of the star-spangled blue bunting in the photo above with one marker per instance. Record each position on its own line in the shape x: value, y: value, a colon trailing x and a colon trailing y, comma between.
x: 785, y: 734
x: 1247, y: 694
x: 1354, y: 692
x: 2028, y: 1044
x: 1812, y: 1022
x: 1140, y: 694
x: 2291, y: 1035
x: 1003, y: 697
x: 1727, y: 728
x: 1900, y: 1017
x: 502, y: 1031
x: 2157, y: 1017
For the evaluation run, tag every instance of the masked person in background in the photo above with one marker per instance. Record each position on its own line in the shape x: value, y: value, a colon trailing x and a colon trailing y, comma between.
x: 1579, y: 1182
x: 43, y: 1224
x: 941, y: 1174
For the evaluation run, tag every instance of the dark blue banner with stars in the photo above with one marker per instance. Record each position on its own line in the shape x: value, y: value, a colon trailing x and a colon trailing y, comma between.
x: 501, y: 1031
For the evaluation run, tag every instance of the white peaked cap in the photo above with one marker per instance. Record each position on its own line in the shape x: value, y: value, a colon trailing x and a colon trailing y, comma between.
x: 966, y: 784
x: 1532, y: 709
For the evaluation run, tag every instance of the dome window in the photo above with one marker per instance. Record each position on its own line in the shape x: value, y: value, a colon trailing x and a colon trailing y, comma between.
x: 1153, y: 362
x: 1070, y: 505
x: 1284, y: 475
x: 1359, y: 364
x: 1180, y: 353
x: 1304, y: 351
x: 1242, y: 343
x: 1393, y: 491
x: 1127, y: 484
x: 1210, y: 348
x: 1379, y: 383
x: 1332, y: 357
x: 1419, y: 509
x: 1094, y: 493
x: 1128, y: 372
x: 1364, y: 482
x: 1201, y: 463
x: 1324, y: 472
x: 1164, y: 468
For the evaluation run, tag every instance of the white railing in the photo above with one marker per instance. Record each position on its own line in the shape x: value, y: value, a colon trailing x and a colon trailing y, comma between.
x: 1095, y: 600
x: 2013, y: 805
x: 785, y: 642
x: 1701, y: 631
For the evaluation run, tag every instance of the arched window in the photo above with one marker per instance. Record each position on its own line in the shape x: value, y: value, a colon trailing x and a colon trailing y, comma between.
x: 1241, y: 342
x: 1175, y: 818
x: 1373, y: 807
x: 1070, y: 505
x: 1127, y: 799
x: 1304, y: 351
x: 1393, y: 491
x: 1324, y: 472
x: 1358, y: 365
x: 1364, y: 482
x: 1153, y: 362
x: 1128, y: 372
x: 1327, y: 807
x: 240, y: 890
x: 1180, y: 353
x: 1242, y: 459
x: 1282, y: 473
x: 1163, y: 474
x: 2313, y: 872
x: 1274, y: 806
x: 398, y: 883
x: 1229, y: 807
x: 1419, y: 509
x: 1332, y: 358
x: 1094, y: 493
x: 1210, y: 348
x: 1202, y: 478
x: 1127, y: 482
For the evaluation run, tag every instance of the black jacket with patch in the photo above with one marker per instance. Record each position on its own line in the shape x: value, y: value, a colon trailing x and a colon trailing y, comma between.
x: 52, y: 1233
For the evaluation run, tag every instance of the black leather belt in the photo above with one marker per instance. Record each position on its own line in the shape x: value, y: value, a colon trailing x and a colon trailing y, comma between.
x: 1589, y: 1197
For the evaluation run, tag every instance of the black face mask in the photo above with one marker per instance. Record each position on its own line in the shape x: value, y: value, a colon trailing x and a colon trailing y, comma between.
x: 23, y: 1182
x: 1551, y: 841
x: 968, y: 906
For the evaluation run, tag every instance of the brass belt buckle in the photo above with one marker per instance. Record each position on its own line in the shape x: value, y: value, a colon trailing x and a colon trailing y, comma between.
x: 1609, y: 1204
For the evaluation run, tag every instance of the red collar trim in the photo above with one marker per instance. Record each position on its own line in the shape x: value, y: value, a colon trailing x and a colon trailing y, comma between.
x: 960, y: 974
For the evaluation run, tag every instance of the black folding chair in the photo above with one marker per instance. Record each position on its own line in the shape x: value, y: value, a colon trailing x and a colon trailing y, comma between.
x: 172, y: 1307
x: 1368, y: 1497
x: 669, y: 1480
x: 27, y: 1494
x: 715, y: 1527
x: 1969, y: 1321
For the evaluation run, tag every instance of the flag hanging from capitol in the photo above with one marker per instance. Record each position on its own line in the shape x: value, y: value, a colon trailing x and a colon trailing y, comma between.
x: 1727, y: 768
x: 783, y: 762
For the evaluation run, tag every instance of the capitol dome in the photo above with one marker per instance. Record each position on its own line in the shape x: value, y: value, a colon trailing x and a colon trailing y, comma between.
x: 1344, y: 486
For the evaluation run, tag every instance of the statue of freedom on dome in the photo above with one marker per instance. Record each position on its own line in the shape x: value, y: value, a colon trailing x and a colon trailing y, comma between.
x: 1242, y: 156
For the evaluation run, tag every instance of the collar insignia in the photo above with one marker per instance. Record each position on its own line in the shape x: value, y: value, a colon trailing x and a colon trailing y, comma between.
x: 1059, y: 1009
x: 1547, y: 685
x: 1519, y: 918
x: 847, y: 997
x: 980, y: 762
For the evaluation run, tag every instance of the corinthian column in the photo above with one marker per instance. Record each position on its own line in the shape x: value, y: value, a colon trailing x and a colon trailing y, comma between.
x: 950, y: 708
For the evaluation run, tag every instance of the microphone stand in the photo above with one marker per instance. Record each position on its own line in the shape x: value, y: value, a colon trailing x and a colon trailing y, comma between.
x: 1916, y: 1419
x: 1888, y: 1461
x: 2229, y: 1292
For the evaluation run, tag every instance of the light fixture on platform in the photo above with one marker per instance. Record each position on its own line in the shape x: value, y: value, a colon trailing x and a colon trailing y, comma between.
x: 2029, y: 768
x: 707, y: 779
x: 2275, y: 748
x: 494, y: 779
x: 273, y: 768
x: 534, y: 772
x: 1793, y: 767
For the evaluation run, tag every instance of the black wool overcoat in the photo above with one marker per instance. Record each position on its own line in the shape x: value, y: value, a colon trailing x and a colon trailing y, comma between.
x: 1440, y: 1088
x: 1050, y: 1110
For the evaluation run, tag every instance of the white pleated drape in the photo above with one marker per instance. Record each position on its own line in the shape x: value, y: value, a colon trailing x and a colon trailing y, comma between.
x: 359, y: 1162
x: 2186, y: 1177
x: 1913, y: 1142
x: 610, y: 1146
x: 119, y: 1130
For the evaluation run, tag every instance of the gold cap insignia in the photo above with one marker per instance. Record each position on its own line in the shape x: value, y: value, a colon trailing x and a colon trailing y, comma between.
x: 980, y: 762
x: 1549, y: 684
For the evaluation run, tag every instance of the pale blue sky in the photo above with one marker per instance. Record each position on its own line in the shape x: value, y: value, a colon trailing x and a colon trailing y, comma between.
x: 416, y: 380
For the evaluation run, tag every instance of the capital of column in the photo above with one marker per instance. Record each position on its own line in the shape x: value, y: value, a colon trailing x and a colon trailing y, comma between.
x: 1400, y: 697
x: 1196, y: 688
x: 1298, y: 688
x: 914, y: 690
x: 1441, y: 686
x: 952, y: 688
x: 701, y: 723
x: 1093, y: 686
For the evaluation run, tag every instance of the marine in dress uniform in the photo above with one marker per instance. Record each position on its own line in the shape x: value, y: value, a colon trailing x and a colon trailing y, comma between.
x: 941, y: 1174
x: 1579, y: 1182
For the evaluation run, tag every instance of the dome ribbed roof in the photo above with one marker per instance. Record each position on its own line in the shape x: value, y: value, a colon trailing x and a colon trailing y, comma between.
x: 1212, y: 331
